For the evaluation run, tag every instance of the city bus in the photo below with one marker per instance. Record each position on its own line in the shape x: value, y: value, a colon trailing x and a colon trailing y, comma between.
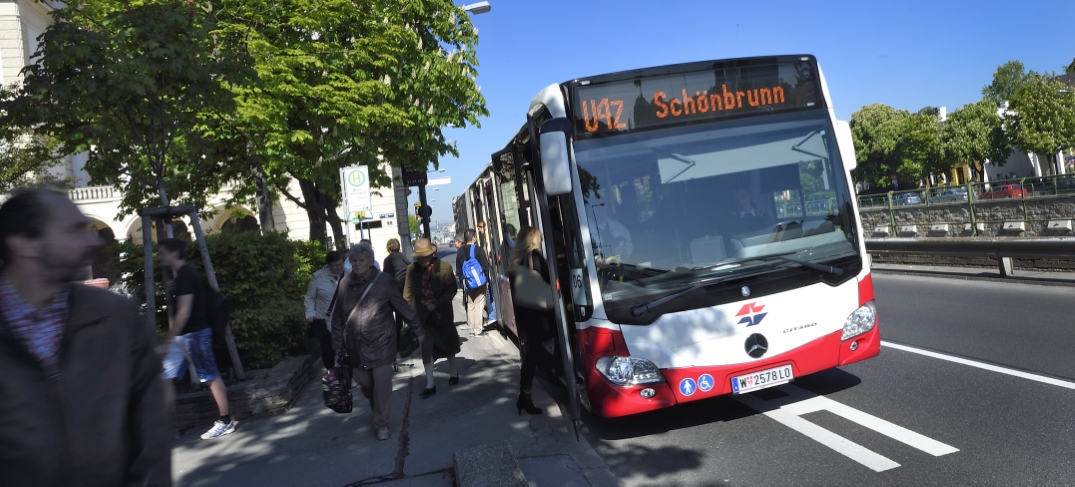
x: 700, y: 226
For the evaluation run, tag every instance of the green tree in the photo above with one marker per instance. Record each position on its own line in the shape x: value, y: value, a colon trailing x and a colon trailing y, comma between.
x: 25, y: 160
x: 876, y: 130
x: 1070, y: 68
x: 1006, y: 81
x: 136, y: 86
x: 918, y: 149
x: 1044, y: 116
x: 412, y: 223
x: 975, y: 133
x: 344, y: 84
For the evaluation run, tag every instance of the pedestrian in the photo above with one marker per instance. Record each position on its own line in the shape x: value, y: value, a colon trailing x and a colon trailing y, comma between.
x: 81, y: 401
x: 319, y: 294
x: 430, y: 290
x: 534, y: 326
x: 347, y: 263
x: 395, y: 265
x: 363, y: 328
x: 189, y: 333
x: 474, y: 286
x: 490, y: 304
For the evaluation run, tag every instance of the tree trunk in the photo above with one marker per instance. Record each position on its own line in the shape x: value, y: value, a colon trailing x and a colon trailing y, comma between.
x: 315, y: 212
x: 265, y: 217
x: 334, y: 221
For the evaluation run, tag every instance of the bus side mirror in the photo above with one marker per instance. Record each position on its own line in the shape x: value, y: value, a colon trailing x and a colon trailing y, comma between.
x: 846, y: 143
x: 555, y: 163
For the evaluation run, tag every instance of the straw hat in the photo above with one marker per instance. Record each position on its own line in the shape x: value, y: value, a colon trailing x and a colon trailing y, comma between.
x: 423, y: 248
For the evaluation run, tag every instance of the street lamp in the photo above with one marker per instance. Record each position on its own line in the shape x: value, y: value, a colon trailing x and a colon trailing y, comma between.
x: 477, y: 8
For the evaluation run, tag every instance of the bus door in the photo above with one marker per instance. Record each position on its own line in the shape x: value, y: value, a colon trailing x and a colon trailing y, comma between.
x: 554, y: 240
x: 505, y: 177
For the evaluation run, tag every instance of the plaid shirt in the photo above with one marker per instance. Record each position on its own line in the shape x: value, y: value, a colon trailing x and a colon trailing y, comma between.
x: 40, y: 329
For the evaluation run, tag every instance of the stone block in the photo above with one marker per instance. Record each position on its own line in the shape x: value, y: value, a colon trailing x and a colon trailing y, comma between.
x: 938, y: 230
x: 880, y: 232
x: 1014, y: 228
x: 1058, y: 228
x: 908, y: 231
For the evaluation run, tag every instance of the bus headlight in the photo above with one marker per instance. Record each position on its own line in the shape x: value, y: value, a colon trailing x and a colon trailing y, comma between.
x: 629, y: 371
x: 861, y: 321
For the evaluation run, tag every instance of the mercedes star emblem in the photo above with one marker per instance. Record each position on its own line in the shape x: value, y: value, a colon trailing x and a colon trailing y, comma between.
x: 756, y: 345
x: 745, y: 290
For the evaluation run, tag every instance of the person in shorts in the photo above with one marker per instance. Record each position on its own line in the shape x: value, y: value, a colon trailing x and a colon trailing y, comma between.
x: 190, y: 334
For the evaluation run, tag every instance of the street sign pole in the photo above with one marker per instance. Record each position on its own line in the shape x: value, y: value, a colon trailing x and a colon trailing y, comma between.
x: 422, y: 198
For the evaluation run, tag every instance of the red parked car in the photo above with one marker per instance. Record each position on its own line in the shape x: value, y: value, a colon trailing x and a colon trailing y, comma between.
x: 1004, y: 191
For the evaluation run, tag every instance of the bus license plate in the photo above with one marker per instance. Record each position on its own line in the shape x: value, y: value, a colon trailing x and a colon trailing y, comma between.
x: 762, y: 379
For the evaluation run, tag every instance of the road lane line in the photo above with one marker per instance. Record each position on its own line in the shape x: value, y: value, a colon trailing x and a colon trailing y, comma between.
x: 981, y: 365
x: 841, y: 445
x: 896, y: 432
x: 788, y: 411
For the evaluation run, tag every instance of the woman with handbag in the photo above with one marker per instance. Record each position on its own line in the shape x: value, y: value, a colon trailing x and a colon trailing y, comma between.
x: 430, y: 289
x: 364, y: 331
x: 531, y: 294
x: 318, y: 301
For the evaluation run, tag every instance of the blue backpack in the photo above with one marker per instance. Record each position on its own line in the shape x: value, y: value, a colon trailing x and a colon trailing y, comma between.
x: 473, y: 275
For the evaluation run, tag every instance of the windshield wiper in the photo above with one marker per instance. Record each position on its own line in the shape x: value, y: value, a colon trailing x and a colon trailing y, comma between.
x: 639, y: 310
x: 836, y: 271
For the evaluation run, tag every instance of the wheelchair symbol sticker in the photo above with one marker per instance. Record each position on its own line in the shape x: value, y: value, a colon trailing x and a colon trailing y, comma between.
x: 705, y: 383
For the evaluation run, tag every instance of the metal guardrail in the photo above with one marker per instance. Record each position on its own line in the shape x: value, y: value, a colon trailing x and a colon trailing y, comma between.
x: 973, y: 205
x: 1004, y: 249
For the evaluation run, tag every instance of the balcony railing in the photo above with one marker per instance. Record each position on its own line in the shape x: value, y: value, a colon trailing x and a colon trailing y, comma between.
x: 93, y: 193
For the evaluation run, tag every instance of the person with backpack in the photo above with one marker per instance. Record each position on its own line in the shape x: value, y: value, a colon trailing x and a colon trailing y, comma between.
x: 191, y: 329
x: 473, y: 265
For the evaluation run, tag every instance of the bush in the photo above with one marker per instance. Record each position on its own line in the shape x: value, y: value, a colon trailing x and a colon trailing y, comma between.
x: 264, y: 277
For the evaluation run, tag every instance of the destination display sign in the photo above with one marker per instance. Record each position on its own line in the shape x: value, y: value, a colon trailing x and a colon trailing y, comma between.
x: 647, y: 102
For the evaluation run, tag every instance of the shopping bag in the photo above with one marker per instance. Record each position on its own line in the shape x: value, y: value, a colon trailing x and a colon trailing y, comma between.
x: 336, y: 385
x: 408, y: 341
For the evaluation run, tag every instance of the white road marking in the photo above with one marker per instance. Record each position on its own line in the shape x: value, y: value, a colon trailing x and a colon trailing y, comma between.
x: 788, y: 411
x: 981, y: 365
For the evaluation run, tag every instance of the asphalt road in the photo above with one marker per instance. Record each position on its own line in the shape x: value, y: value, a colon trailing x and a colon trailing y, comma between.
x: 902, y: 418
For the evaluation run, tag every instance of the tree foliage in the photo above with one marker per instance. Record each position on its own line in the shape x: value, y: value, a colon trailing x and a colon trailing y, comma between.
x: 1006, y: 81
x: 135, y: 86
x: 25, y: 160
x: 975, y: 133
x: 876, y: 130
x: 1043, y: 118
x: 344, y: 84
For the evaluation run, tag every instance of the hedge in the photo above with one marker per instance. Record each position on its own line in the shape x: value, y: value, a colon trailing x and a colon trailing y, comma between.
x: 263, y: 276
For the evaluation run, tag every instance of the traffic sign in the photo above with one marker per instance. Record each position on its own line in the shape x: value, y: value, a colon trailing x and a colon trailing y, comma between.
x: 356, y: 189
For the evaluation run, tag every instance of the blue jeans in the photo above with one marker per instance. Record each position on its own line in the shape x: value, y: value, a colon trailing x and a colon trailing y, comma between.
x: 199, y: 345
x: 490, y: 306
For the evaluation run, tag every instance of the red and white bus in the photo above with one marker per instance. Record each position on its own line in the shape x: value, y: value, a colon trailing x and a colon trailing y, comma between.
x: 700, y: 224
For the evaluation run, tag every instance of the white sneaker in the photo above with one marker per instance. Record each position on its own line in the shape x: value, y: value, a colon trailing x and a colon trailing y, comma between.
x: 220, y: 429
x: 382, y: 433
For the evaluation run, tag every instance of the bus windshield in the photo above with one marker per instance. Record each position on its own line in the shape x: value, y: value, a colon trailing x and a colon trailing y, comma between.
x: 710, y: 202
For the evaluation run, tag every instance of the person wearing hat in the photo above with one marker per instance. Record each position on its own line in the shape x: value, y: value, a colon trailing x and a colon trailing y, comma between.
x: 430, y: 288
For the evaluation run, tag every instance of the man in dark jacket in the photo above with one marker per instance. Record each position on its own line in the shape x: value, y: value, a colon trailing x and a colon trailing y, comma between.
x: 80, y: 398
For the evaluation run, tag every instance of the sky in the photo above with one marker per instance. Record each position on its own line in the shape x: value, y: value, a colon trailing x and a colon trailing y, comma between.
x: 905, y: 54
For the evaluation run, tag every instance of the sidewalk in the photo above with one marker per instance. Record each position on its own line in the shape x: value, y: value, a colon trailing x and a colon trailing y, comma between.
x: 1041, y: 278
x: 311, y: 445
